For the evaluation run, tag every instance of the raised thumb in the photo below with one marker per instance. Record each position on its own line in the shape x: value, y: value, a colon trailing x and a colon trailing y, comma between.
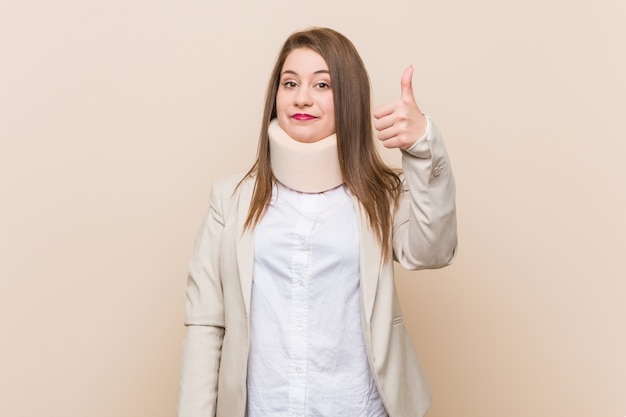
x: 406, y: 84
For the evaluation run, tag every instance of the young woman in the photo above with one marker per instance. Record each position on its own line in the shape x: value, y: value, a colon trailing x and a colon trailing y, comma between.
x: 291, y: 303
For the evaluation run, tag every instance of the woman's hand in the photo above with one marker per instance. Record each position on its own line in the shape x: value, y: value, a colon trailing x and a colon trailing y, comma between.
x: 401, y: 123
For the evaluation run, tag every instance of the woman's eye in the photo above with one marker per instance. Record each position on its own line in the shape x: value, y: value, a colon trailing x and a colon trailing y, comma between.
x: 289, y: 84
x: 323, y: 85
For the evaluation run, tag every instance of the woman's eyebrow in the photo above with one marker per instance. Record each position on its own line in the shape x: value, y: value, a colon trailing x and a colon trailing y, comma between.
x: 322, y: 71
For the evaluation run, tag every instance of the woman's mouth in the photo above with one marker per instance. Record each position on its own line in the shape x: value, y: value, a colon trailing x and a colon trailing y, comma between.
x: 303, y: 117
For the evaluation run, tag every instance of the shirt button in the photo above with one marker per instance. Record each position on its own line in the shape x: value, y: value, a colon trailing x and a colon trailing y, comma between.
x: 298, y: 369
x: 299, y: 327
x: 302, y: 240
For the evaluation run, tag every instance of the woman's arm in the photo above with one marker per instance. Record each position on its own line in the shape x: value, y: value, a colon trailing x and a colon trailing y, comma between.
x: 425, y: 234
x: 204, y: 320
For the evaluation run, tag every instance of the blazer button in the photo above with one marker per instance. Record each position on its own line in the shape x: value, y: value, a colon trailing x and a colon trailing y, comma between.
x: 438, y: 170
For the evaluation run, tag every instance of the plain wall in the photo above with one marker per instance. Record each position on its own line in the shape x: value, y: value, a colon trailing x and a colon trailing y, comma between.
x: 115, y: 117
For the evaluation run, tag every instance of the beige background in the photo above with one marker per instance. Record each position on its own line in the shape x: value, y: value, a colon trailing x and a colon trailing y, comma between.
x: 116, y: 116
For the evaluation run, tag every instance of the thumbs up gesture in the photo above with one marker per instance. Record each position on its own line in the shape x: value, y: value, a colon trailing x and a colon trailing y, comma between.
x: 401, y: 123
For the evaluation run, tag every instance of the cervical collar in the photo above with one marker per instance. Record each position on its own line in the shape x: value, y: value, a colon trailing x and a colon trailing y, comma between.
x: 306, y: 167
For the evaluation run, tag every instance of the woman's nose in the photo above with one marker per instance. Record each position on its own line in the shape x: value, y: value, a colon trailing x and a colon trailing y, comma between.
x: 303, y: 97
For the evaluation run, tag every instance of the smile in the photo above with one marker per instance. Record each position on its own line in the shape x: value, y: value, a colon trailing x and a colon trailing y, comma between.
x: 303, y: 117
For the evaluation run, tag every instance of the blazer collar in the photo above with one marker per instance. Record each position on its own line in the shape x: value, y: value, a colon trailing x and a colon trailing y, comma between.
x: 370, y: 261
x: 245, y: 244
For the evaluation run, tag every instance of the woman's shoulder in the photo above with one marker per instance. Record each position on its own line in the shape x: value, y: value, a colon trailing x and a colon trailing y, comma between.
x: 226, y: 194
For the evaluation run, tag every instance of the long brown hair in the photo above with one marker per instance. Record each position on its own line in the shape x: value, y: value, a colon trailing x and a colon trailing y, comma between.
x: 374, y: 184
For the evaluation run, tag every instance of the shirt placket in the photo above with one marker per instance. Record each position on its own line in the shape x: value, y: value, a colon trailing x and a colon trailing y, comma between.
x: 301, y: 274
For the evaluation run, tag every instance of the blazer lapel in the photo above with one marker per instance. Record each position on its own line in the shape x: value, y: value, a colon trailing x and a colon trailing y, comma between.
x: 370, y: 259
x: 245, y: 244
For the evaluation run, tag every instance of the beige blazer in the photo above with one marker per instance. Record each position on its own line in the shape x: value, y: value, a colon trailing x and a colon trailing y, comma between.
x: 215, y: 350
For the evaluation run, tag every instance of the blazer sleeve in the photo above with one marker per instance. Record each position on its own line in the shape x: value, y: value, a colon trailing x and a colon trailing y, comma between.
x: 204, y: 319
x: 425, y: 234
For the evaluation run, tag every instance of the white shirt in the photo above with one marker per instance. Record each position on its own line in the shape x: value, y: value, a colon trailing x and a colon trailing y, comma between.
x: 307, y: 353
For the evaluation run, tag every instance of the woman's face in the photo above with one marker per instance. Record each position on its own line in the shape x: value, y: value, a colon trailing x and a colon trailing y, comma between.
x: 304, y: 101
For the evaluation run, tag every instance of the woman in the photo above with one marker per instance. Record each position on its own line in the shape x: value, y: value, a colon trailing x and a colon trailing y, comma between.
x: 291, y: 303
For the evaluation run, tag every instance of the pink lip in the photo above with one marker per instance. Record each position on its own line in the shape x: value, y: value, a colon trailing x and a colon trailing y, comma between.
x: 303, y: 116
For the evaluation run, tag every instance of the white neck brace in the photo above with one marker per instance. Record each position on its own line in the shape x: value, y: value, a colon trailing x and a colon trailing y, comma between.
x: 306, y: 167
